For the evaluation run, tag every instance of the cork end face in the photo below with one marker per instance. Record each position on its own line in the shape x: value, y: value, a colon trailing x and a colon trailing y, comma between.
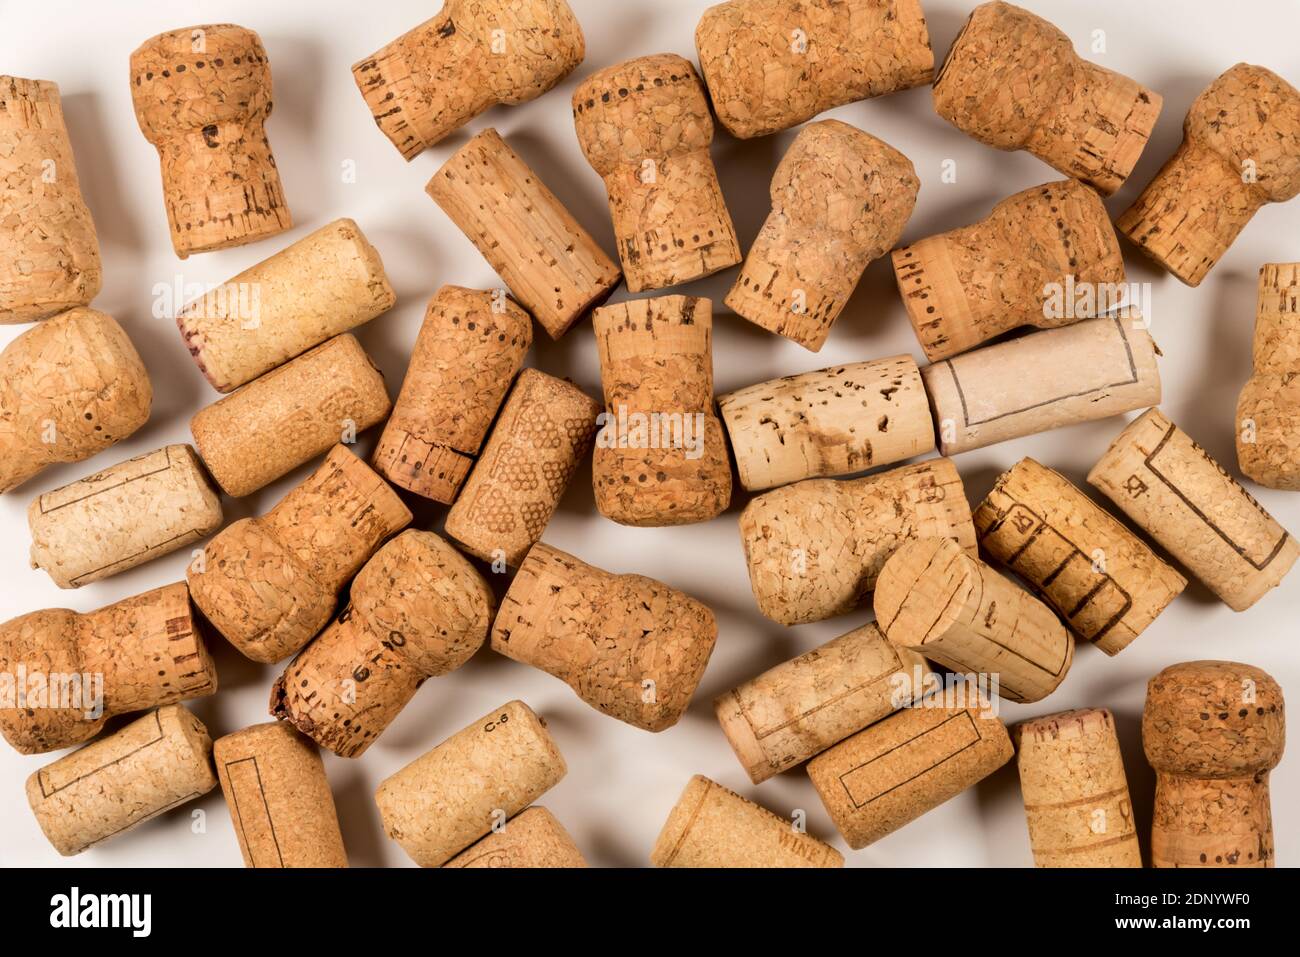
x: 740, y: 735
x: 674, y: 831
x: 921, y: 590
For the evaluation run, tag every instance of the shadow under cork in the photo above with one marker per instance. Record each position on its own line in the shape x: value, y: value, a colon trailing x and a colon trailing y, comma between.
x: 354, y: 798
x: 1209, y: 413
x: 99, y: 172
x: 298, y: 75
x: 1141, y: 777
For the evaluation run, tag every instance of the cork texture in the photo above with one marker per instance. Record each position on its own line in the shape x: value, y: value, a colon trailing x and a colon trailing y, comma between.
x: 1268, y: 411
x: 530, y: 839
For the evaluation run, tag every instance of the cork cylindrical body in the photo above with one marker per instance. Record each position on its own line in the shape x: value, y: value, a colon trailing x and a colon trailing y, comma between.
x: 530, y: 839
x: 1268, y: 411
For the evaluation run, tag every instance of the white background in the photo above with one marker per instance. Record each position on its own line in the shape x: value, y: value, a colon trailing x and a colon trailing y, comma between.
x: 623, y: 781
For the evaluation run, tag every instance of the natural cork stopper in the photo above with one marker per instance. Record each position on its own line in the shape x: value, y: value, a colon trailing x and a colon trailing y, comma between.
x: 202, y: 96
x: 531, y: 839
x: 1013, y: 81
x: 1268, y: 411
x: 1213, y: 730
x: 1171, y: 488
x: 645, y: 127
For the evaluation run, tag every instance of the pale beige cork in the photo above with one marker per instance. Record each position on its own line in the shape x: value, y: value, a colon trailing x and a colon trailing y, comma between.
x: 1103, y: 580
x: 815, y: 548
x: 531, y: 839
x: 1268, y: 411
x: 51, y: 262
x: 418, y: 609
x: 840, y: 200
x: 202, y: 96
x: 469, y: 785
x: 645, y: 127
x: 1013, y: 81
x: 291, y: 415
x: 543, y: 433
x: 1076, y: 795
x: 1213, y: 730
x: 1171, y: 488
x: 1240, y: 151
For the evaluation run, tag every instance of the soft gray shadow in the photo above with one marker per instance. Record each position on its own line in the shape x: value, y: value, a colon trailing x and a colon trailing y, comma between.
x: 297, y: 76
x: 99, y: 172
x: 363, y: 832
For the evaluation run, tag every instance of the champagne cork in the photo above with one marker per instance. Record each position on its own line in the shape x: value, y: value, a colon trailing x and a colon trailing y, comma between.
x: 444, y: 801
x: 323, y: 285
x: 660, y: 458
x: 418, y: 609
x: 771, y: 64
x: 631, y: 647
x: 1103, y: 580
x: 475, y: 54
x: 202, y: 96
x: 834, y: 421
x: 70, y: 672
x: 1046, y: 257
x: 69, y: 388
x: 840, y: 200
x: 551, y: 264
x: 1043, y: 381
x: 1213, y: 730
x: 123, y: 517
x: 544, y: 431
x: 467, y: 353
x: 814, y: 549
x: 1268, y: 412
x: 269, y: 584
x: 1171, y: 488
x: 51, y: 262
x: 1076, y: 795
x: 280, y: 802
x: 1240, y: 151
x: 152, y: 765
x: 290, y: 416
x: 1013, y: 81
x: 711, y: 826
x: 533, y: 838
x: 645, y: 127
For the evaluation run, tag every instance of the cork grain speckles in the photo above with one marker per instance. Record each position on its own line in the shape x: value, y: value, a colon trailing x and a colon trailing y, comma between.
x: 1268, y: 411
x: 532, y: 838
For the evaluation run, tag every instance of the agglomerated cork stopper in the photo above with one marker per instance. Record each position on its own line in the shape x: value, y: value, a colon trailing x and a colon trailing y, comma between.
x: 1268, y: 411
x: 532, y: 839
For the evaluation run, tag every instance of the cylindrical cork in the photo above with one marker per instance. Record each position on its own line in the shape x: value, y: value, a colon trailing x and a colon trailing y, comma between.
x: 51, y: 262
x: 152, y: 765
x: 442, y: 802
x: 290, y: 416
x: 1013, y: 81
x: 418, y: 609
x: 814, y: 549
x: 1043, y: 381
x: 1240, y: 151
x: 544, y: 431
x: 1103, y: 580
x: 202, y: 96
x: 279, y: 799
x: 645, y: 127
x: 1213, y: 730
x: 1166, y: 483
x: 1076, y: 795
x: 532, y: 839
x: 1268, y: 411
x: 840, y: 200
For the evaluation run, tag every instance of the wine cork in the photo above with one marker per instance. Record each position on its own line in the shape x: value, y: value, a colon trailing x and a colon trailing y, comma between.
x: 123, y: 517
x: 660, y: 457
x: 52, y: 251
x: 645, y: 127
x: 1213, y: 730
x: 1103, y: 580
x: 290, y: 416
x: 1076, y: 795
x: 631, y: 647
x: 1013, y: 81
x: 549, y: 262
x: 814, y: 549
x: 269, y: 584
x: 442, y: 802
x: 475, y: 54
x: 202, y: 96
x: 152, y: 765
x: 1268, y: 411
x: 711, y: 826
x: 279, y: 799
x: 840, y: 200
x: 418, y: 609
x: 1171, y: 488
x: 1240, y: 151
x: 1046, y: 257
x: 321, y: 286
x: 1043, y: 381
x: 544, y: 431
x: 69, y: 388
x: 533, y: 838
x: 831, y: 422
